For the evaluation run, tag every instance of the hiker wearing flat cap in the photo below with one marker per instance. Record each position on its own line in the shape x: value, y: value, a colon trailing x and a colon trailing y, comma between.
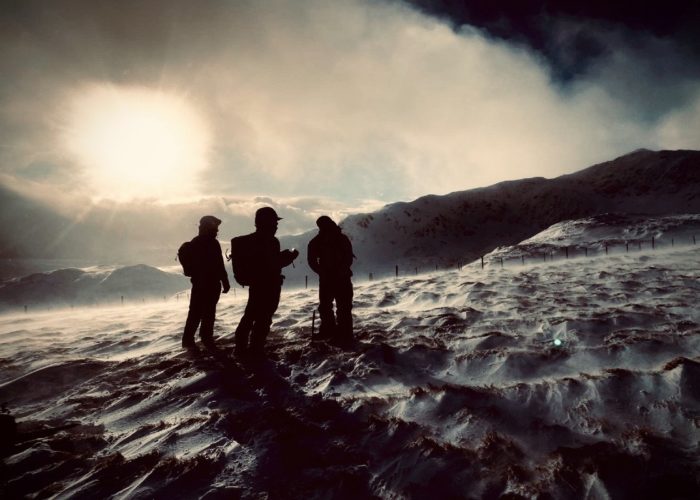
x: 257, y: 263
x: 203, y: 262
x: 330, y: 256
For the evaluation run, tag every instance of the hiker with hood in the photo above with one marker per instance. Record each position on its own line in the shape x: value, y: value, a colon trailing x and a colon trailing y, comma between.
x: 330, y: 256
x: 257, y: 263
x: 203, y: 262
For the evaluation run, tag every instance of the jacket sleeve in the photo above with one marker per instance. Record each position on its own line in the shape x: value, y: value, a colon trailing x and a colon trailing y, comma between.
x: 346, y: 254
x: 223, y: 275
x: 285, y: 257
x: 312, y: 257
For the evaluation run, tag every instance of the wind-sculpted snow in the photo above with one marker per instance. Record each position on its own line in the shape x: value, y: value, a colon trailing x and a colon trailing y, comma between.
x: 565, y: 379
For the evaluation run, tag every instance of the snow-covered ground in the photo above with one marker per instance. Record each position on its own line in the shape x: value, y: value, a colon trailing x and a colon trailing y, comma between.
x: 573, y: 378
x: 603, y: 234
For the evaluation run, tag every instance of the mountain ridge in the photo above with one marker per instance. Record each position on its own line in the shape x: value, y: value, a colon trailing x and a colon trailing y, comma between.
x: 432, y: 230
x: 461, y: 226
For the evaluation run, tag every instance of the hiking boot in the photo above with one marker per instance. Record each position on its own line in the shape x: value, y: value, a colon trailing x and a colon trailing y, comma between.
x: 188, y: 343
x: 209, y: 343
x: 257, y: 353
x: 240, y: 351
x: 344, y: 342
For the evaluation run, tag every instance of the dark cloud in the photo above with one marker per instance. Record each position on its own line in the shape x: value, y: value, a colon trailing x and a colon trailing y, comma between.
x: 573, y: 35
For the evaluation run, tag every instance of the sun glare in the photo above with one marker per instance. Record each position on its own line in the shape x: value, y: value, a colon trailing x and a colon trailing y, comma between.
x: 136, y: 142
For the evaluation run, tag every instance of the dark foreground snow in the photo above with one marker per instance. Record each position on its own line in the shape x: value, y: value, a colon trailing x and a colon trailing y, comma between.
x: 570, y: 379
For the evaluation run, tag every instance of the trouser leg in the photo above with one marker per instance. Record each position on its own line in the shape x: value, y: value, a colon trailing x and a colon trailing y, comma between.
x: 246, y: 324
x: 193, y: 317
x: 266, y: 301
x: 325, y: 307
x: 343, y: 300
x: 208, y: 313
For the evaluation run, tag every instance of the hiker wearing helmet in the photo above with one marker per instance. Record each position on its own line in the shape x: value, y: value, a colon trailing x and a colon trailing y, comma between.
x: 208, y: 276
x: 257, y: 263
x: 330, y: 256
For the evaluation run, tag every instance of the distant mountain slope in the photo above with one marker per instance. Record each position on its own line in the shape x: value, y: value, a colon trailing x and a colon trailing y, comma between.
x: 461, y: 226
x: 67, y: 287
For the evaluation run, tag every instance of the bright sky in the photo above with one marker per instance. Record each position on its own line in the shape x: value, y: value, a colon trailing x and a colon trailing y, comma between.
x: 316, y: 105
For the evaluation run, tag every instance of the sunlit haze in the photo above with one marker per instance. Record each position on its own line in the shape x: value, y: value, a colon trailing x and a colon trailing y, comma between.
x: 323, y: 107
x: 136, y: 142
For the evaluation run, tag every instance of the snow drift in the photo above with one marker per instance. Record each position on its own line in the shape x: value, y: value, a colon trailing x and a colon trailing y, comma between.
x: 565, y: 379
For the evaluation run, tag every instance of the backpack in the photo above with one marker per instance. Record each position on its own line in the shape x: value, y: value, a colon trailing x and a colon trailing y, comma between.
x: 243, y: 259
x: 185, y: 254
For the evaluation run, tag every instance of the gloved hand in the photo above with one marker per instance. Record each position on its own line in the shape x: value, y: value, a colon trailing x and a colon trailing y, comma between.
x: 288, y: 256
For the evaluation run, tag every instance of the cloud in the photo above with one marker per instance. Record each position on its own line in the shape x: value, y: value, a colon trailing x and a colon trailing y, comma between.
x: 349, y: 101
x: 681, y: 129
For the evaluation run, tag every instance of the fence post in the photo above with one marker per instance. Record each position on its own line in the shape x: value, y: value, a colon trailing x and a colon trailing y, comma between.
x: 416, y: 271
x: 122, y: 300
x: 306, y: 281
x: 482, y: 262
x: 522, y: 258
x: 25, y: 309
x: 627, y: 247
x: 671, y: 241
x: 566, y: 249
x: 693, y: 239
x: 640, y: 244
x: 606, y: 249
x: 585, y: 250
x: 653, y: 245
x: 397, y: 271
x: 501, y: 262
x: 370, y: 276
x: 544, y: 256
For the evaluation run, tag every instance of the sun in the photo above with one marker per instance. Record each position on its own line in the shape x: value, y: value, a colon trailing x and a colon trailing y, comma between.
x: 135, y: 142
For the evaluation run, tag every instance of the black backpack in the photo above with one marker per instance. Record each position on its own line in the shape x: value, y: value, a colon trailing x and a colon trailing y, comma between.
x: 185, y: 254
x: 243, y: 259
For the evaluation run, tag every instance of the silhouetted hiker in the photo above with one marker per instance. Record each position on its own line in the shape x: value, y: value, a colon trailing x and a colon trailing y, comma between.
x: 257, y: 263
x: 330, y: 256
x: 208, y: 275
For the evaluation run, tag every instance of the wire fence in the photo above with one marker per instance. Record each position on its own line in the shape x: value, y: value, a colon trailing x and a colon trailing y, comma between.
x: 541, y: 254
x: 549, y: 253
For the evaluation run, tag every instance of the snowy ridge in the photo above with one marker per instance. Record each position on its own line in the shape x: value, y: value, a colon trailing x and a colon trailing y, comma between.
x: 558, y: 380
x: 106, y: 285
x: 462, y: 226
x: 90, y: 286
x: 601, y: 235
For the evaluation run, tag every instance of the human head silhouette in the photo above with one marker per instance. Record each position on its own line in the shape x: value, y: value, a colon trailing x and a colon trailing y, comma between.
x: 266, y: 220
x: 325, y: 224
x: 209, y: 225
